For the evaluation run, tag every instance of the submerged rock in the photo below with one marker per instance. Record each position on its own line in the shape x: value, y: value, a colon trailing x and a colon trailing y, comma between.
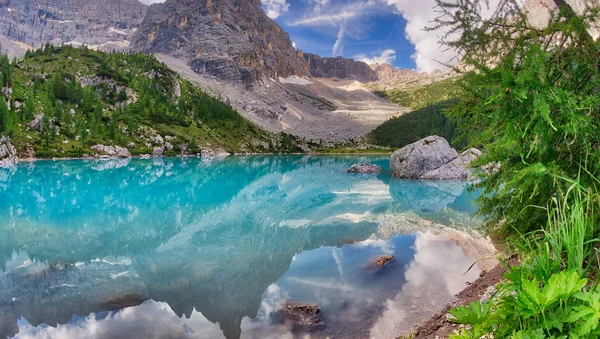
x: 364, y: 168
x: 432, y: 158
x: 301, y: 315
x: 384, y: 259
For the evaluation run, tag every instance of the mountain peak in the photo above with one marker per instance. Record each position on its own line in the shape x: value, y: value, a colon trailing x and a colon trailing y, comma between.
x: 231, y: 40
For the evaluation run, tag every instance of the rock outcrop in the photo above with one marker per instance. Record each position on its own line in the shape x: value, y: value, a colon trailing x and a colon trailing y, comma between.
x: 233, y: 41
x: 8, y: 154
x: 111, y: 151
x: 106, y: 24
x: 364, y: 168
x: 431, y: 158
x: 158, y: 151
x: 37, y: 123
x: 340, y: 68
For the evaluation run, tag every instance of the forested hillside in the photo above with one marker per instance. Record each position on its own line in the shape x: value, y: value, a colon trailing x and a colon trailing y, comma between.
x: 418, y: 124
x: 60, y: 101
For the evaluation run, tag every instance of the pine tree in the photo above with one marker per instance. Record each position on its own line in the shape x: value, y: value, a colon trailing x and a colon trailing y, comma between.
x: 529, y: 97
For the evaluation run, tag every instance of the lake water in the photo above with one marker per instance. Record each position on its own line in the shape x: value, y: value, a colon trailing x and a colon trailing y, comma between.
x: 185, y: 248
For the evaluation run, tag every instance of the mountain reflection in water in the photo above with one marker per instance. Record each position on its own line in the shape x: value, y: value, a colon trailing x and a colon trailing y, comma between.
x: 215, y: 247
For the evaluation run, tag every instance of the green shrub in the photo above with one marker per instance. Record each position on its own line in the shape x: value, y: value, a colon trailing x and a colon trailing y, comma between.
x: 548, y: 295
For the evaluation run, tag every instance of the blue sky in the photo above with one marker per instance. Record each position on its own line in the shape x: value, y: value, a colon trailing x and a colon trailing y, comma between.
x: 376, y: 28
x: 374, y: 31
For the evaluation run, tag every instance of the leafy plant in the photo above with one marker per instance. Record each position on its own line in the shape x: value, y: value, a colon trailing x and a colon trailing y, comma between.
x: 548, y: 295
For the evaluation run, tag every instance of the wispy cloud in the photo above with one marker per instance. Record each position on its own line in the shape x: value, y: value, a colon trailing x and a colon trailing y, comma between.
x: 338, y: 46
x: 386, y: 57
x: 348, y: 18
x: 275, y: 8
x: 325, y: 19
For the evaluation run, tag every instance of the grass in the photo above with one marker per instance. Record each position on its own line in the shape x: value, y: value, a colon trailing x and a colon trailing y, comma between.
x: 554, y: 293
x: 421, y: 96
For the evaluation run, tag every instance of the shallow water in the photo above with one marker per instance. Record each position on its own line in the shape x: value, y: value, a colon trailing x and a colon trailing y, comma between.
x: 211, y: 249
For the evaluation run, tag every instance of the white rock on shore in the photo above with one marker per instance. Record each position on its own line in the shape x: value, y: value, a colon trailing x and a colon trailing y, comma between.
x: 111, y: 151
x: 8, y: 153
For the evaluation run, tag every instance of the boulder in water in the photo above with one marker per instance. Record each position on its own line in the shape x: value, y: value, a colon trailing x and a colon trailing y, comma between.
x: 432, y: 158
x: 364, y: 168
x: 301, y: 316
x: 384, y: 259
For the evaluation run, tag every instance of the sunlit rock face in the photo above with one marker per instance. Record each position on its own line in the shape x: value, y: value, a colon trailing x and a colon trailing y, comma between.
x: 106, y: 24
x: 233, y: 41
x: 201, y: 236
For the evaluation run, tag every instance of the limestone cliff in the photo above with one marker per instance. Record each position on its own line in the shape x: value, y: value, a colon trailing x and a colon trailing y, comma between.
x: 230, y: 40
x: 105, y: 24
x: 340, y: 68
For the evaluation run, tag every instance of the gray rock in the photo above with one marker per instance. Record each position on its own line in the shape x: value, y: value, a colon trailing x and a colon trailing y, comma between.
x: 240, y: 43
x: 8, y: 153
x: 158, y: 151
x: 432, y: 158
x: 455, y: 169
x: 107, y: 24
x: 157, y: 139
x: 168, y: 146
x: 340, y: 68
x: 37, y: 123
x: 425, y: 155
x: 301, y: 316
x: 111, y: 151
x: 364, y: 168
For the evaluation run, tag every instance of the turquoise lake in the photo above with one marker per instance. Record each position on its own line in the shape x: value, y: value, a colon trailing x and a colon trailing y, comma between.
x: 185, y: 248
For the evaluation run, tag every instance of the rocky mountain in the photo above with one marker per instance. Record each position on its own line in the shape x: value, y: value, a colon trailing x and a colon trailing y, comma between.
x: 232, y: 41
x: 228, y: 48
x: 105, y: 24
x: 389, y: 77
x: 14, y: 49
x: 340, y: 68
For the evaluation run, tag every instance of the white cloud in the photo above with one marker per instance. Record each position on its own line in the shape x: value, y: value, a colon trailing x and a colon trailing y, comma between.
x: 386, y: 57
x: 148, y: 320
x: 346, y: 19
x: 275, y: 8
x: 338, y: 46
x: 150, y: 2
x: 419, y: 15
